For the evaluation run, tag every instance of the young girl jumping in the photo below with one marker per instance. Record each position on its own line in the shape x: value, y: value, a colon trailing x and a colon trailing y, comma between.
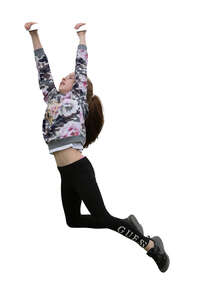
x: 73, y: 120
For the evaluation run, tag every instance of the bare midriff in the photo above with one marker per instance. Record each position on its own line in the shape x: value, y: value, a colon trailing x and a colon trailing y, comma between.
x: 67, y: 156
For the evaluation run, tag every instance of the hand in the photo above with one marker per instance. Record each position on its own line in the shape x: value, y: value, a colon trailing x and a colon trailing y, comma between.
x: 28, y: 25
x: 80, y: 33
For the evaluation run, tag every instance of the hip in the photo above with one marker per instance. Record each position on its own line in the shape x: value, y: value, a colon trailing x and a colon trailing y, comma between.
x: 67, y: 156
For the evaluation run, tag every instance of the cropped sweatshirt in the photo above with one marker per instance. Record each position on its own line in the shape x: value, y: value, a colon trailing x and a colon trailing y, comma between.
x: 63, y: 124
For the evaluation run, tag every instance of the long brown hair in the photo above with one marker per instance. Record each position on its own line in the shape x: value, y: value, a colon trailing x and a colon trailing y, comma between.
x: 95, y: 119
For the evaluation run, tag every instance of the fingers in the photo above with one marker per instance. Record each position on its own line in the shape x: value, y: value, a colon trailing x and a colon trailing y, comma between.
x: 28, y: 25
x: 78, y: 25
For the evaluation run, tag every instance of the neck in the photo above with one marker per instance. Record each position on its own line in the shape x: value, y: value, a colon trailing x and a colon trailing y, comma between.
x: 64, y: 94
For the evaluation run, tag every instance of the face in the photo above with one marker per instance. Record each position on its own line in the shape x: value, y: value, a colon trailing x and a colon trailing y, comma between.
x: 67, y: 83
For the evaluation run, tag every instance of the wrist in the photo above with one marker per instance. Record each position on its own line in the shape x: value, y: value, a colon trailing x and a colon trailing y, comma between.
x: 33, y: 33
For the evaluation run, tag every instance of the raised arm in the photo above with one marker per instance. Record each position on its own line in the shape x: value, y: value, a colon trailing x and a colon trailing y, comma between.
x: 79, y: 89
x: 45, y: 79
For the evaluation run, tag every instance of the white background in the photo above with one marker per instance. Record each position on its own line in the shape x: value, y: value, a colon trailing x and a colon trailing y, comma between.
x: 142, y: 60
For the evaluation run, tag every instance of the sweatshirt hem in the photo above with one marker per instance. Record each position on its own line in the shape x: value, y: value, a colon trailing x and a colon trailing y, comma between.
x: 65, y: 141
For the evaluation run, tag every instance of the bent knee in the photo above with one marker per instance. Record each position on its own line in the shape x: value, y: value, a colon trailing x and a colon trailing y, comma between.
x: 72, y: 223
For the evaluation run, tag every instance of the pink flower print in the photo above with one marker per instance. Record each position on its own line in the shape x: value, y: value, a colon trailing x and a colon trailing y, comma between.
x: 73, y: 131
x: 85, y: 83
x: 70, y: 129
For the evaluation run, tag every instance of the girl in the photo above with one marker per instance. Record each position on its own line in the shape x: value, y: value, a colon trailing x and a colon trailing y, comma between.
x: 73, y: 120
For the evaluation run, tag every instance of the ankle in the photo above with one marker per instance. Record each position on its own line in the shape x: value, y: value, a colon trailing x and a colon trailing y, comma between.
x: 150, y: 245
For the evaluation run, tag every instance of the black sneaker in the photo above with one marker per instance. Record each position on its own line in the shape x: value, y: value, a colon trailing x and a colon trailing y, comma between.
x: 134, y: 222
x: 158, y: 254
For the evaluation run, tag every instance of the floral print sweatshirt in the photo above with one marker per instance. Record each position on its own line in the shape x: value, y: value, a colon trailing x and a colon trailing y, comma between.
x: 64, y: 119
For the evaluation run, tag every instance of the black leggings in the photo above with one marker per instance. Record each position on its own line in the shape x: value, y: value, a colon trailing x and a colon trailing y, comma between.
x: 78, y: 182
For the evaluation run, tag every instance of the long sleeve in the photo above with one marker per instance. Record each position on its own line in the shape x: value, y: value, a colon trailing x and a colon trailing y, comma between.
x: 45, y: 79
x: 79, y: 89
